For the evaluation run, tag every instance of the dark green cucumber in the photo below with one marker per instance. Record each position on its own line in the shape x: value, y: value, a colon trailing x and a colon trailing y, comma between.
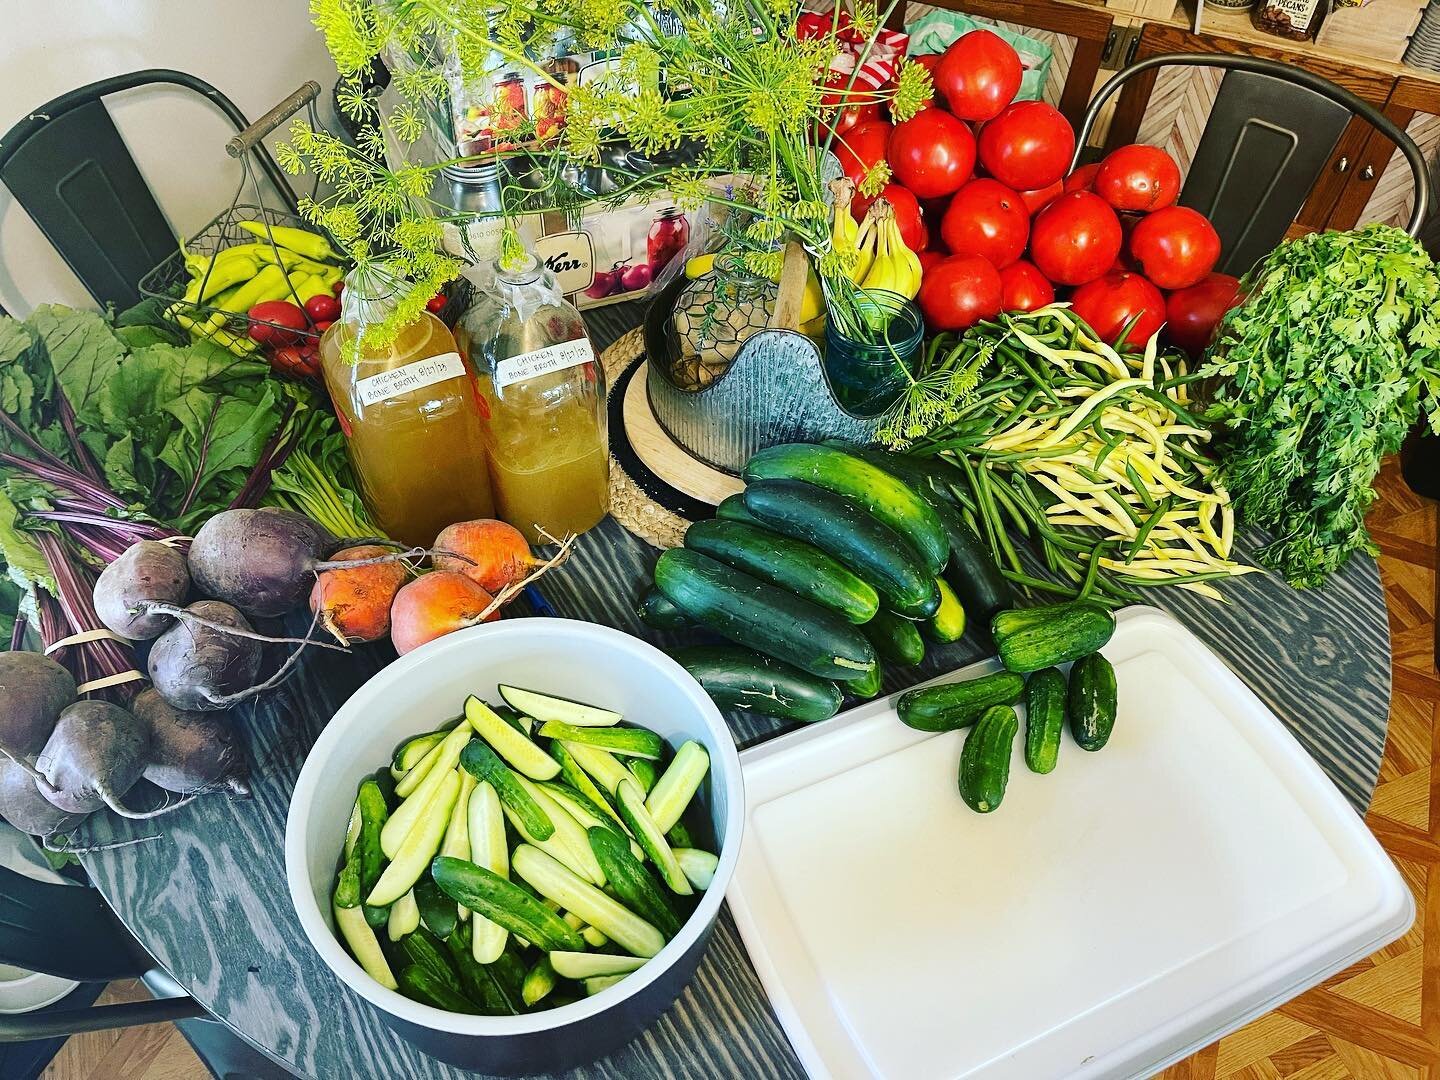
x: 421, y: 984
x: 633, y: 884
x: 483, y: 763
x: 896, y: 639
x: 844, y: 529
x: 869, y: 686
x: 1044, y: 719
x: 740, y: 678
x: 732, y: 508
x: 947, y: 624
x: 985, y: 759
x: 972, y: 572
x: 1029, y: 639
x: 423, y: 948
x: 958, y: 704
x: 373, y: 814
x: 484, y: 984
x: 437, y: 911
x: 1092, y: 701
x: 504, y: 902
x: 885, y: 496
x: 749, y: 612
x: 659, y: 613
x: 791, y: 564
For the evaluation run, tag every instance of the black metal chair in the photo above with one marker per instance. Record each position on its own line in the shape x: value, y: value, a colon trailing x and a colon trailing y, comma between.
x: 69, y: 931
x: 1270, y: 132
x: 68, y: 167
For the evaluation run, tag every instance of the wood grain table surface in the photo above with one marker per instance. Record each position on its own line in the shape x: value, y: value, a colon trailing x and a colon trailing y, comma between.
x: 209, y: 899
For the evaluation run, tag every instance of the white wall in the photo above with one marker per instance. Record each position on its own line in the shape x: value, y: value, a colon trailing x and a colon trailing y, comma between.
x: 254, y: 51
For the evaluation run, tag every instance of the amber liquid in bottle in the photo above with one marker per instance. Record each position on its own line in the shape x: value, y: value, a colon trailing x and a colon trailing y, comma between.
x: 411, y: 416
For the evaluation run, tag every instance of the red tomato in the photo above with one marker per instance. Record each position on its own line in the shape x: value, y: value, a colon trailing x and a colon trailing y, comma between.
x: 337, y: 288
x: 932, y: 153
x: 929, y: 258
x: 1138, y: 177
x: 1037, y: 200
x: 960, y: 291
x: 276, y: 322
x: 986, y: 218
x: 293, y: 361
x: 1192, y: 314
x: 860, y: 105
x: 1082, y: 179
x: 1024, y: 287
x: 978, y: 75
x: 907, y: 214
x: 322, y: 307
x: 436, y: 303
x: 1027, y: 146
x: 1075, y: 239
x: 861, y: 148
x: 1175, y: 247
x: 1108, y: 303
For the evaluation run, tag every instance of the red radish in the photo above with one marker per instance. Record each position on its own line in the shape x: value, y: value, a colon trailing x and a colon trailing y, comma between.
x: 353, y: 603
x: 434, y: 605
x: 322, y: 307
x: 490, y: 553
x: 337, y: 288
x: 289, y: 321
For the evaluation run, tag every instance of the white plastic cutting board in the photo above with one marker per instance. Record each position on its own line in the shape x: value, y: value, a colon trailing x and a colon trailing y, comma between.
x: 1107, y: 920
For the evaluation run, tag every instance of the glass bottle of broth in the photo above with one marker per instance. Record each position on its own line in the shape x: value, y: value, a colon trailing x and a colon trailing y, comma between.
x: 410, y: 413
x: 544, y: 392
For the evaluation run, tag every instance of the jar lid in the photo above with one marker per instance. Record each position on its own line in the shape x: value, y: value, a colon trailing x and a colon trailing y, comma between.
x: 478, y: 175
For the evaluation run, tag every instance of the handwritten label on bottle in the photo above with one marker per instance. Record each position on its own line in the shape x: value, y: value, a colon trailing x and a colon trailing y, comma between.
x: 528, y: 365
x: 374, y: 389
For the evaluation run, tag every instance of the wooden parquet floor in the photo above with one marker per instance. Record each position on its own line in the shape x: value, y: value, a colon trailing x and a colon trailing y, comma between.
x: 1377, y: 1020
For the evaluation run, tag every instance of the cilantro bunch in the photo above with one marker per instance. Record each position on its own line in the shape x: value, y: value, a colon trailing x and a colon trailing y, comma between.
x: 1322, y: 372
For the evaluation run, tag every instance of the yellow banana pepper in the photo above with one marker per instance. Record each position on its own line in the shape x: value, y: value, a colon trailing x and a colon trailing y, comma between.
x: 309, y: 244
x: 269, y: 284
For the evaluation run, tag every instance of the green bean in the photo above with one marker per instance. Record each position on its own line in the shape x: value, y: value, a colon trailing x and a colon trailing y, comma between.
x: 1139, y: 485
x: 1150, y: 522
x: 1088, y: 585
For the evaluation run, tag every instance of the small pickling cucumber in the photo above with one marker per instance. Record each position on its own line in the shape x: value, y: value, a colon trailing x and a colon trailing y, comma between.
x: 644, y: 771
x: 539, y: 981
x: 1029, y: 639
x: 568, y: 843
x: 484, y: 764
x: 657, y: 612
x: 1092, y: 701
x: 594, y: 985
x: 505, y: 903
x: 599, y: 764
x: 427, y: 951
x: 437, y: 911
x: 739, y: 678
x: 958, y: 704
x: 626, y: 741
x: 885, y: 496
x: 985, y: 758
x: 699, y: 866
x: 749, y: 612
x: 581, y: 781
x: 398, y: 825
x: 419, y: 845
x: 948, y: 623
x: 359, y: 936
x: 495, y: 986
x: 650, y: 836
x: 585, y: 965
x: 373, y: 815
x: 403, y: 917
x: 547, y: 707
x: 896, y: 639
x: 633, y: 884
x: 847, y: 532
x: 587, y: 814
x: 421, y: 984
x: 1044, y: 719
x: 447, y: 749
x: 556, y: 882
x: 677, y: 786
x: 869, y: 686
x: 783, y: 561
x: 412, y: 752
x: 522, y: 754
x: 489, y: 849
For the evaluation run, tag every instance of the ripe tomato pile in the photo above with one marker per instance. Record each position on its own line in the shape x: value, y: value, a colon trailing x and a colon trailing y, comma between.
x: 983, y: 193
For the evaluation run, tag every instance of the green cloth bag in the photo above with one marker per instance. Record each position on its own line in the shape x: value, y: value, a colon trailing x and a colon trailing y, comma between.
x: 934, y: 31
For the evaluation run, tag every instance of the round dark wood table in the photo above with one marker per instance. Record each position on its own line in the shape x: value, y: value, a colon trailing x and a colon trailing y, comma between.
x: 208, y: 897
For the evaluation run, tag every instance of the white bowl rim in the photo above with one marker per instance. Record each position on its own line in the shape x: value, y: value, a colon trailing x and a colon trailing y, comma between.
x: 297, y: 872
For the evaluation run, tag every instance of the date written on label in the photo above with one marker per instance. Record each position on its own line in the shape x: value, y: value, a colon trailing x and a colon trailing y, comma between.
x: 528, y: 365
x: 374, y: 389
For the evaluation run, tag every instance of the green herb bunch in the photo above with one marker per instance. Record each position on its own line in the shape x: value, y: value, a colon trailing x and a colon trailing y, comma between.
x: 734, y: 83
x: 1321, y: 372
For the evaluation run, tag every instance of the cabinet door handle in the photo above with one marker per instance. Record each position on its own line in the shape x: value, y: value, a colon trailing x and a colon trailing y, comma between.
x: 1367, y: 173
x: 1343, y: 164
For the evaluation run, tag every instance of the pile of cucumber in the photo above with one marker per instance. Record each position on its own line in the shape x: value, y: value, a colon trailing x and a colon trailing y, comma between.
x: 1032, y: 643
x: 831, y: 562
x: 521, y: 856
